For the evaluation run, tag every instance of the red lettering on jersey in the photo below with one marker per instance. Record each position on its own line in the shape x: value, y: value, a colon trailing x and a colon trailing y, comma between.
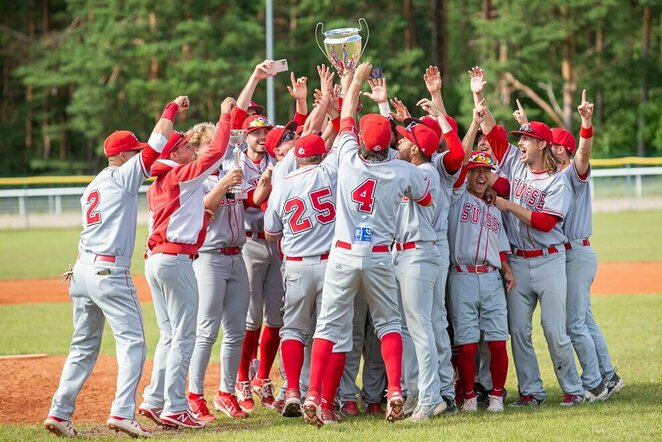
x: 533, y: 197
x: 297, y: 223
x: 465, y: 212
x: 364, y: 195
x: 92, y: 215
x: 326, y: 209
x: 541, y: 203
x: 475, y: 214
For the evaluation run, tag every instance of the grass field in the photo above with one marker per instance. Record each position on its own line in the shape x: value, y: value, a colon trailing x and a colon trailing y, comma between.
x: 45, y: 253
x: 630, y: 324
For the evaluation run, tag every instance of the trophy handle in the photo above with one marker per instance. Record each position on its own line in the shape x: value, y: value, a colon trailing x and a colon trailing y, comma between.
x: 367, y: 37
x: 317, y: 27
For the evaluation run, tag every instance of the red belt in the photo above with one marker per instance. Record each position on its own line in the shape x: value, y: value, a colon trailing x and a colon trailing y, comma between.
x: 475, y: 269
x: 230, y: 250
x: 254, y: 235
x: 192, y: 257
x: 585, y: 243
x: 348, y: 246
x: 535, y: 253
x: 322, y: 257
x: 407, y: 246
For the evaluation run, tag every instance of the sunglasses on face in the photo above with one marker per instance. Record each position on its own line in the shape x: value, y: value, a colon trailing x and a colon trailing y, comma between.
x: 288, y: 136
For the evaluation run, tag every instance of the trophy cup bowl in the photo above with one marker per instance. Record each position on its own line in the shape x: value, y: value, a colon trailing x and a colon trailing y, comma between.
x: 342, y: 46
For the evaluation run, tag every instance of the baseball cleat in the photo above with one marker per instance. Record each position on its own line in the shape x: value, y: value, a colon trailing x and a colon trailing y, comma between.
x: 425, y: 412
x: 411, y: 404
x: 312, y: 410
x: 60, y: 427
x: 244, y: 396
x: 598, y: 393
x: 374, y: 409
x: 228, y: 404
x: 481, y: 394
x: 571, y: 400
x: 395, y: 406
x: 182, y: 419
x: 292, y: 406
x: 127, y: 426
x: 349, y: 409
x: 451, y: 408
x: 262, y: 388
x: 495, y: 404
x: 329, y: 417
x: 527, y: 401
x: 199, y: 407
x: 470, y: 405
x: 614, y: 385
x: 151, y: 413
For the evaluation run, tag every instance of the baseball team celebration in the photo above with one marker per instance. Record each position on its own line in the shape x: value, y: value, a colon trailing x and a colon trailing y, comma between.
x: 359, y: 257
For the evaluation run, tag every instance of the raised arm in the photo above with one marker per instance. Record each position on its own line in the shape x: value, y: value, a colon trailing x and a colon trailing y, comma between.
x: 478, y: 116
x: 583, y: 154
x: 379, y: 94
x: 351, y: 99
x: 246, y: 94
x: 432, y: 78
x: 163, y: 129
x: 315, y: 120
x: 477, y: 84
x: 299, y: 91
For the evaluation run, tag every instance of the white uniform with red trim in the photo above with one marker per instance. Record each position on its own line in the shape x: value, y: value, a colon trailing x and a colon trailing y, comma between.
x: 176, y: 205
x: 417, y: 263
x: 223, y: 290
x: 538, y: 263
x: 374, y: 191
x: 101, y: 287
x: 262, y: 258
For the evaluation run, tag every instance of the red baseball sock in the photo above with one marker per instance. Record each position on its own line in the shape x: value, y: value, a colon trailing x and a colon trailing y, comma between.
x: 466, y: 362
x: 498, y: 366
x: 319, y: 359
x: 392, y: 356
x: 292, y: 355
x: 268, y: 350
x: 331, y: 381
x: 250, y: 343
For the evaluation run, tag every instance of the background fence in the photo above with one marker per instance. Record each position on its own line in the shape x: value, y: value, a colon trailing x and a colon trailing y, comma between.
x: 35, y: 202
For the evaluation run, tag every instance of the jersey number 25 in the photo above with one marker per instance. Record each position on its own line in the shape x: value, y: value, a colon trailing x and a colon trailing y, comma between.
x: 326, y: 211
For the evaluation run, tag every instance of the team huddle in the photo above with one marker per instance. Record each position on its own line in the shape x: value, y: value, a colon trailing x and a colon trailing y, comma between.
x: 328, y: 239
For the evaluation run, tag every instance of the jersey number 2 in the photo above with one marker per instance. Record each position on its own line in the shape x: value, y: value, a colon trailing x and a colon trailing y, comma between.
x: 92, y: 215
x: 326, y: 211
x: 364, y: 195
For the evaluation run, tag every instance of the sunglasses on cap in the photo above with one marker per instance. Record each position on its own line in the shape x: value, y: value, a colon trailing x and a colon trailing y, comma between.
x: 526, y: 128
x: 412, y: 125
x: 289, y: 135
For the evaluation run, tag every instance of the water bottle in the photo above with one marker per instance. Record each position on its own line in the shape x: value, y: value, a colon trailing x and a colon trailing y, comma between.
x: 363, y: 232
x: 236, y: 155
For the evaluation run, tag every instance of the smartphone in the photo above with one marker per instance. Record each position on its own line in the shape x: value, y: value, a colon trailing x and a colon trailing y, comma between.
x: 278, y: 66
x: 376, y: 72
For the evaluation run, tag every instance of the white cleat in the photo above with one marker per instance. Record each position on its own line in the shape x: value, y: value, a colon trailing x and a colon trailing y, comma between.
x: 495, y: 403
x: 60, y: 427
x: 127, y: 426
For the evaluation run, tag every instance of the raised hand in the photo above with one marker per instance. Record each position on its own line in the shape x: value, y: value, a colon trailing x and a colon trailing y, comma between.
x: 432, y: 78
x: 228, y: 105
x: 480, y: 112
x: 401, y: 111
x: 429, y: 107
x: 261, y: 71
x: 585, y: 109
x: 379, y: 92
x: 363, y: 71
x: 520, y: 114
x: 299, y: 88
x: 183, y: 102
x: 477, y: 81
x: 326, y: 79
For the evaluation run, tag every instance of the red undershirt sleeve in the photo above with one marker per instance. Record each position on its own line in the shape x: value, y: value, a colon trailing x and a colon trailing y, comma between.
x: 454, y: 158
x: 543, y: 221
x: 502, y: 187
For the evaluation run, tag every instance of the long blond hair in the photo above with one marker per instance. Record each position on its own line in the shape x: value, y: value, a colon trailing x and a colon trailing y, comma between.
x: 202, y: 132
x: 549, y: 162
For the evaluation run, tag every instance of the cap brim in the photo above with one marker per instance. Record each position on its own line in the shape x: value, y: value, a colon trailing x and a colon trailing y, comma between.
x: 530, y: 134
x: 476, y: 166
x: 405, y: 133
x: 292, y: 125
x: 258, y: 108
x: 253, y: 129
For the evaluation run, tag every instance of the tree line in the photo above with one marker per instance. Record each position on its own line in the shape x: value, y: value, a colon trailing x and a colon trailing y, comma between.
x: 73, y: 71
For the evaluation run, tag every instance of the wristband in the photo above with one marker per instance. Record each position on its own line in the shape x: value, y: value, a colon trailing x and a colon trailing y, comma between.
x: 170, y: 111
x: 157, y: 141
x: 585, y: 132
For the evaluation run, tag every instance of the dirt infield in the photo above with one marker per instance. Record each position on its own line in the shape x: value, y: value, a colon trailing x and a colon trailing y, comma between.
x: 613, y: 278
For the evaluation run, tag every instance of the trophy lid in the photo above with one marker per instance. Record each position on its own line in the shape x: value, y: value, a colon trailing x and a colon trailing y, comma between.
x: 341, y: 32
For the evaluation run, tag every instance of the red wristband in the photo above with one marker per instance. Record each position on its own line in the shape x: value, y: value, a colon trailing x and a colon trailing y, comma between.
x: 585, y: 132
x: 170, y: 111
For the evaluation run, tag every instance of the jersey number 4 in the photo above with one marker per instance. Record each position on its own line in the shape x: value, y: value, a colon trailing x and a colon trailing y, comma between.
x: 364, y: 195
x: 92, y: 215
x: 326, y: 211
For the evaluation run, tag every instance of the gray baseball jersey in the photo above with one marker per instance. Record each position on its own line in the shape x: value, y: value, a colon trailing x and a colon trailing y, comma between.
x: 578, y: 223
x: 445, y: 190
x: 539, y: 192
x: 413, y: 221
x: 227, y: 228
x: 476, y: 232
x: 253, y: 217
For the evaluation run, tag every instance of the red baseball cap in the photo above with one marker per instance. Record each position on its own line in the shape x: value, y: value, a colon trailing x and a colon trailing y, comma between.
x: 422, y: 136
x: 256, y: 122
x: 309, y: 146
x: 537, y: 130
x: 564, y: 138
x: 274, y: 136
x: 258, y: 107
x: 121, y: 141
x: 176, y: 139
x: 375, y: 132
x: 429, y: 121
x: 480, y: 159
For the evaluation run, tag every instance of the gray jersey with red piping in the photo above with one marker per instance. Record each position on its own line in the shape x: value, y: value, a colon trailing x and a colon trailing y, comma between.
x: 227, y: 227
x: 413, y: 221
x: 578, y: 222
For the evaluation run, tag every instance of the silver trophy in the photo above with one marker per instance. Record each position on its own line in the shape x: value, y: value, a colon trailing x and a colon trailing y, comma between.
x: 237, y: 137
x: 342, y: 46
